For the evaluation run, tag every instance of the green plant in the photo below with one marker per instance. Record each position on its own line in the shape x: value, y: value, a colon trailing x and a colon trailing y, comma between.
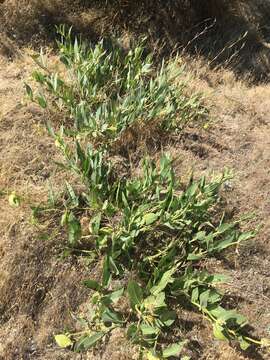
x: 106, y: 89
x: 14, y: 200
x: 152, y: 233
x: 162, y: 234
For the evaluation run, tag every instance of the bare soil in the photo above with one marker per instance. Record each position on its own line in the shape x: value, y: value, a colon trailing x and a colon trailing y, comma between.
x: 39, y: 288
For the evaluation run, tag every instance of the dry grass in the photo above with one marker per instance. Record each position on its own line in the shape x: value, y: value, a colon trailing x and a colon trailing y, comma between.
x: 167, y: 26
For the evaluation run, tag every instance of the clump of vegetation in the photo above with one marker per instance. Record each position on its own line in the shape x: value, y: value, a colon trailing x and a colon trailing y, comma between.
x: 105, y: 89
x: 151, y: 231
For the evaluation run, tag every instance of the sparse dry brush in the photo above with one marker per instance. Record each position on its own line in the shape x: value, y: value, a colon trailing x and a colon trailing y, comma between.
x: 221, y: 24
x: 151, y: 232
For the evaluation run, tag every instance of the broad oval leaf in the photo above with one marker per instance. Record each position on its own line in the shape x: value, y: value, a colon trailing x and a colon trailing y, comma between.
x: 150, y: 218
x: 14, y: 200
x: 164, y: 281
x: 135, y: 294
x: 150, y: 356
x: 111, y: 316
x: 155, y: 302
x: 63, y: 341
x: 116, y: 295
x: 204, y: 296
x: 167, y: 317
x: 244, y: 345
x: 132, y: 331
x: 148, y: 330
x: 92, y: 284
x: 194, y: 257
x: 219, y: 332
x: 87, y: 342
x: 173, y: 350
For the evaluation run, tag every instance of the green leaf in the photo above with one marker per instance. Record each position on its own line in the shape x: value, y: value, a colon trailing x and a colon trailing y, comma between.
x: 87, y: 342
x: 95, y: 224
x: 219, y: 332
x: 113, y: 266
x: 154, y: 302
x: 14, y: 200
x: 194, y: 257
x: 124, y: 199
x: 111, y: 316
x: 113, y: 297
x: 39, y: 77
x: 92, y: 284
x: 50, y: 129
x: 116, y: 295
x: 64, y: 218
x: 132, y: 331
x: 204, y: 296
x: 152, y: 356
x: 63, y: 341
x: 74, y: 199
x: 218, y: 278
x: 42, y: 101
x: 244, y: 345
x: 224, y: 244
x: 148, y: 330
x: 173, y: 350
x: 191, y: 191
x: 74, y: 230
x: 165, y: 280
x: 214, y: 297
x: 150, y: 218
x: 135, y: 294
x: 224, y: 227
x: 167, y: 317
x: 106, y: 274
x: 246, y: 236
x: 239, y: 318
x: 29, y: 91
x: 195, y: 294
x: 224, y: 316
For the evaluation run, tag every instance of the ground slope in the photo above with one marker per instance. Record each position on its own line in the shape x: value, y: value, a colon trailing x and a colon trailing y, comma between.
x: 218, y: 29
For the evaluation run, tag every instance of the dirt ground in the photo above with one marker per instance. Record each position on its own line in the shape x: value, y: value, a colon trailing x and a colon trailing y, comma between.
x: 39, y: 289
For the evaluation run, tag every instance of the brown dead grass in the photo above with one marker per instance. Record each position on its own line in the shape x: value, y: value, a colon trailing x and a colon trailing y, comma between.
x: 168, y: 25
x: 32, y: 276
